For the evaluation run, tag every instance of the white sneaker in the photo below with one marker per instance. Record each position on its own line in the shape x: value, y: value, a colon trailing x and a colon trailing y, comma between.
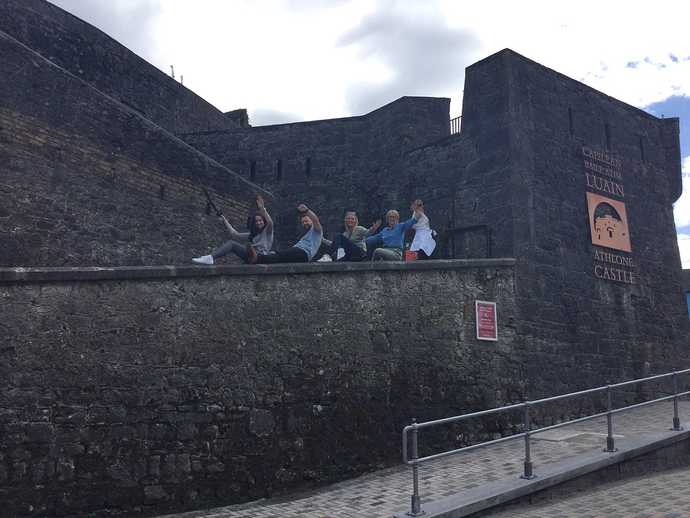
x: 340, y: 254
x: 204, y: 259
x: 325, y: 259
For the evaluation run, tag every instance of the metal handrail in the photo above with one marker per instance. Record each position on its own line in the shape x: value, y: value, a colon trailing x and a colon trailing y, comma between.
x: 412, y: 431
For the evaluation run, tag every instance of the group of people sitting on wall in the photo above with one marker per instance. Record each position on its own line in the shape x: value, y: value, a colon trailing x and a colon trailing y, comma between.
x: 355, y: 243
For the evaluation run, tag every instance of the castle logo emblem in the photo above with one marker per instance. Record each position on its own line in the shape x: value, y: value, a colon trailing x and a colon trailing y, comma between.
x: 608, y: 222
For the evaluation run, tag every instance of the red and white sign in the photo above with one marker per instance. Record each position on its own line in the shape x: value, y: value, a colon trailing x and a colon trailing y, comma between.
x: 487, y: 320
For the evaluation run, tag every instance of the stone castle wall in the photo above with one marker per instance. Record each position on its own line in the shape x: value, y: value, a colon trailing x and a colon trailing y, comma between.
x: 94, y: 57
x: 87, y: 181
x: 146, y: 389
x: 333, y: 165
x: 569, y: 142
x: 534, y: 143
x: 152, y: 388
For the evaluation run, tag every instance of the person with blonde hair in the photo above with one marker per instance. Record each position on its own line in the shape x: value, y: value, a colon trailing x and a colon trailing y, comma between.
x: 387, y: 243
x: 349, y: 245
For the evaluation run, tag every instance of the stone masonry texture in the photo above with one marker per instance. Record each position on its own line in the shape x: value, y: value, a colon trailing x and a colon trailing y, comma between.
x: 168, y: 387
x: 334, y: 165
x: 94, y: 57
x: 87, y: 181
x: 516, y: 176
x: 170, y: 393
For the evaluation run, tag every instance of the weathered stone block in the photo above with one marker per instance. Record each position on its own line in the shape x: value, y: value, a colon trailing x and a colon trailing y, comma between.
x: 155, y: 494
x: 261, y: 422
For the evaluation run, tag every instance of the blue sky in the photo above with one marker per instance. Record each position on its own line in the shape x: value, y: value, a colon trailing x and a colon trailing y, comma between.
x: 292, y: 60
x: 679, y: 106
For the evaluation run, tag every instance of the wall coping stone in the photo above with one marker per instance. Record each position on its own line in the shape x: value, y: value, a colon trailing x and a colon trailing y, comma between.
x: 351, y: 118
x: 205, y: 159
x: 20, y: 275
x: 512, y: 54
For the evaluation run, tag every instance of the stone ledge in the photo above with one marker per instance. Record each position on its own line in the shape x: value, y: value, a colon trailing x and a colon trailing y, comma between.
x: 93, y: 273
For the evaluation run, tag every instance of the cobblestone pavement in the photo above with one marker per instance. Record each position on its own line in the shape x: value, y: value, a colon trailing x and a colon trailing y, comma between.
x: 657, y: 495
x: 387, y: 492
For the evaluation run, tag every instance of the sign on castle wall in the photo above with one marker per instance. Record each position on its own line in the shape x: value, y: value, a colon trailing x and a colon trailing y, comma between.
x: 608, y: 222
x: 487, y: 320
x: 608, y: 217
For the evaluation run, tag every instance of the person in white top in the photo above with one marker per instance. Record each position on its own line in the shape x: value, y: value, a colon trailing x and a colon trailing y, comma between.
x: 423, y: 242
x: 260, y: 237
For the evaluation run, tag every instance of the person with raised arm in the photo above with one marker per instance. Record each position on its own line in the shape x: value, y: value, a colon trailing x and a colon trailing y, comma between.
x: 387, y: 244
x: 260, y: 237
x: 301, y: 252
x: 423, y: 242
x: 350, y: 245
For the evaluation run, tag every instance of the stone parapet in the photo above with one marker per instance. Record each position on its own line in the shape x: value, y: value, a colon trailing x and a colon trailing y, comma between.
x: 151, y: 389
x: 68, y: 274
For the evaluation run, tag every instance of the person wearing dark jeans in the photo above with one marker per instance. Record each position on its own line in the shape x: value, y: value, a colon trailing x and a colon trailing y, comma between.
x: 350, y: 246
x: 303, y: 251
x: 289, y: 255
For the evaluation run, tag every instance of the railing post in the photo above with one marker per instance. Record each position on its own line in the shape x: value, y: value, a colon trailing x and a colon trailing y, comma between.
x: 610, y: 445
x: 676, y: 419
x: 528, y: 474
x: 416, y: 504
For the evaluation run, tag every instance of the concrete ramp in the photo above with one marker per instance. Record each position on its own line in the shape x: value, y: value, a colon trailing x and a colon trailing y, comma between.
x: 639, y: 455
x: 487, y: 481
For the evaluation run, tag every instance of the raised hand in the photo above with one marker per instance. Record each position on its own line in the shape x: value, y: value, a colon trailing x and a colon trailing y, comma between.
x: 260, y: 202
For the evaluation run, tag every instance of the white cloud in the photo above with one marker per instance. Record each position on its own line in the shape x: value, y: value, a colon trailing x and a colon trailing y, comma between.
x: 681, y: 213
x: 414, y: 46
x: 284, y: 55
x: 130, y: 22
x: 681, y: 209
x: 592, y: 42
x: 309, y: 59
x: 684, y: 247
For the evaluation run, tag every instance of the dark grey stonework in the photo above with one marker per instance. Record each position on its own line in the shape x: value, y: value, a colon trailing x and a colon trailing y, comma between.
x: 333, y: 165
x: 156, y: 388
x: 518, y: 168
x: 88, y: 181
x: 166, y: 393
x: 94, y: 57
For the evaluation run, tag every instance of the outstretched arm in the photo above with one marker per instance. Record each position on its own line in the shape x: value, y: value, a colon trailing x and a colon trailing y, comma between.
x: 302, y: 208
x: 418, y: 208
x: 233, y: 233
x: 373, y: 228
x: 262, y: 210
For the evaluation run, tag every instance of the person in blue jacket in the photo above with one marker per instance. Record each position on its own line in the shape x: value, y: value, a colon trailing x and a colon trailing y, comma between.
x: 387, y: 243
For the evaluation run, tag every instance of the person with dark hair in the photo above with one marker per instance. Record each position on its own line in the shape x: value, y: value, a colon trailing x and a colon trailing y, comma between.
x: 387, y: 244
x: 350, y: 245
x: 303, y: 251
x: 260, y: 236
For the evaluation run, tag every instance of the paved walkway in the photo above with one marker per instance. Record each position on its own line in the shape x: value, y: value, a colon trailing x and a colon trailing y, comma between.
x: 387, y: 492
x: 657, y: 495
